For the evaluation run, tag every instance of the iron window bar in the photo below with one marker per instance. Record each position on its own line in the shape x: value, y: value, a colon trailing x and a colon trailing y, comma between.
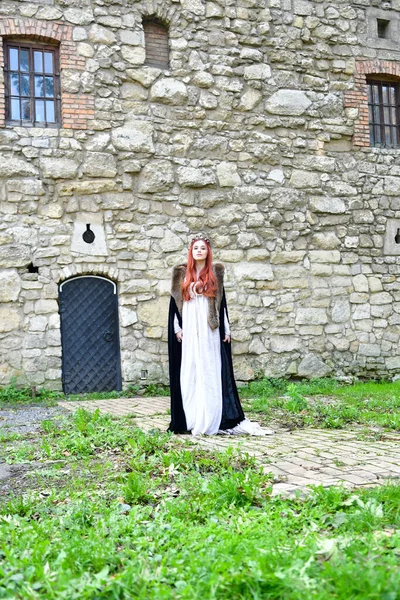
x: 384, y: 113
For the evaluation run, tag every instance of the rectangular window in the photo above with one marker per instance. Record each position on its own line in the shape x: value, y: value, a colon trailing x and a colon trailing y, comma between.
x: 383, y: 106
x: 32, y: 84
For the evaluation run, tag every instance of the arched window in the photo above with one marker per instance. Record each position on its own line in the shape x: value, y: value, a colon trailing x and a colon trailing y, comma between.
x: 384, y: 111
x: 156, y: 43
x: 32, y: 83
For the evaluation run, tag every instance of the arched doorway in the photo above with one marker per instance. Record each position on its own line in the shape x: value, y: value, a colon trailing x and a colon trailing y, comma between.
x: 89, y: 335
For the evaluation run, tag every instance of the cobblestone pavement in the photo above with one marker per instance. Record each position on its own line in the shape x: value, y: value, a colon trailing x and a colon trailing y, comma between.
x: 296, y: 458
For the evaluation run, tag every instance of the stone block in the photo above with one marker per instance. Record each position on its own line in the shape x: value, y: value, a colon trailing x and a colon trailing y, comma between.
x: 324, y: 256
x: 195, y: 6
x: 284, y: 343
x: 326, y: 241
x: 341, y: 311
x: 128, y: 316
x: 43, y: 307
x: 253, y: 272
x: 360, y: 283
x: 171, y: 242
x: 79, y: 16
x: 281, y: 258
x: 363, y: 216
x: 11, y: 166
x: 361, y: 311
x: 250, y: 194
x: 381, y: 298
x: 257, y: 72
x: 27, y: 187
x: 156, y: 176
x: 393, y: 363
x: 288, y: 103
x: 311, y: 316
x: 249, y: 99
x: 99, y: 164
x: 287, y: 198
x: 374, y: 284
x: 154, y: 312
x: 58, y: 168
x: 10, y: 319
x: 15, y: 256
x: 146, y: 76
x: 134, y: 136
x: 369, y: 350
x: 341, y: 188
x: 311, y: 367
x: 195, y: 177
x: 227, y: 175
x: 169, y: 91
x: 304, y: 179
x: 134, y: 55
x: 10, y: 285
x: 101, y: 35
x: 325, y: 204
x: 256, y: 347
x: 359, y: 298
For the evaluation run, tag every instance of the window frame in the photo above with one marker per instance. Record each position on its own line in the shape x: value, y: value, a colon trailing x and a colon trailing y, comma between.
x: 381, y: 125
x: 31, y: 46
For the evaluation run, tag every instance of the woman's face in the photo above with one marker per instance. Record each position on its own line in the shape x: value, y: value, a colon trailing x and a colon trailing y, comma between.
x: 199, y: 250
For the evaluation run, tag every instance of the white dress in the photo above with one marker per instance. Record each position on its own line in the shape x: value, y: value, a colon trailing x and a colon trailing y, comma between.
x: 201, y: 385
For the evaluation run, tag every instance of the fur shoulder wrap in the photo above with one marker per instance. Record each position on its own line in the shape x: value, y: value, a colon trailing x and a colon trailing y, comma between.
x: 214, y: 304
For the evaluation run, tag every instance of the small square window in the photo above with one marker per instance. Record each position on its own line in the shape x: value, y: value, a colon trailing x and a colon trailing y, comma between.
x: 32, y: 83
x: 383, y: 27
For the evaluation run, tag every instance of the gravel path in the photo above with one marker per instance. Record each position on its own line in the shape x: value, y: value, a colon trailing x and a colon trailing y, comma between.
x: 27, y: 419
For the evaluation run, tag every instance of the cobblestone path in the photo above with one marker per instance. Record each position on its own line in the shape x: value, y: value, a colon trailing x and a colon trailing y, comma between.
x: 296, y: 458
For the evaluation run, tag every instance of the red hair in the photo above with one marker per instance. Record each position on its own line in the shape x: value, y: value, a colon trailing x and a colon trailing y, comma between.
x: 207, y: 281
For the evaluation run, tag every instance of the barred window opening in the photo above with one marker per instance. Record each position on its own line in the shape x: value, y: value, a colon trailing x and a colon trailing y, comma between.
x: 156, y: 43
x: 32, y: 83
x: 384, y: 107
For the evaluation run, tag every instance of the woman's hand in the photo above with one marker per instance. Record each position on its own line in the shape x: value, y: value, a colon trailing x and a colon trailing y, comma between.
x: 227, y: 339
x: 179, y: 335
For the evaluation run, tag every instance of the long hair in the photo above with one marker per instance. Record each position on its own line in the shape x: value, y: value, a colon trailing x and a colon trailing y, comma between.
x: 207, y: 282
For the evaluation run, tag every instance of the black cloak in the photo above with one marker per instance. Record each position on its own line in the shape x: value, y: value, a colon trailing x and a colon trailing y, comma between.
x: 232, y: 412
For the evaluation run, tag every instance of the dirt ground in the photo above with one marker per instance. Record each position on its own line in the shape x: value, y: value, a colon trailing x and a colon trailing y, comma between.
x: 25, y: 421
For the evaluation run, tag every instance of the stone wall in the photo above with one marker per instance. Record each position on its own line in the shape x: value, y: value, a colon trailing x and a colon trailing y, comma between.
x: 247, y: 138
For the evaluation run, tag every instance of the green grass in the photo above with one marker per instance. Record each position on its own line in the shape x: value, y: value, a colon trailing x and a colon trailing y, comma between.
x: 17, y: 395
x: 325, y: 403
x: 126, y: 514
x: 14, y: 395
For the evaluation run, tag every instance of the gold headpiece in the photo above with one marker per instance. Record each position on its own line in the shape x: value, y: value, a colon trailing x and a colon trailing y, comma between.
x: 200, y: 236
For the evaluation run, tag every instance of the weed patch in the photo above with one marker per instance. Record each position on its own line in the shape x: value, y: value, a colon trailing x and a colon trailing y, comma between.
x: 117, y: 513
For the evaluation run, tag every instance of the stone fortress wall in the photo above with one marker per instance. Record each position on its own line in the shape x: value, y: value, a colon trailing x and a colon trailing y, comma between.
x: 256, y: 135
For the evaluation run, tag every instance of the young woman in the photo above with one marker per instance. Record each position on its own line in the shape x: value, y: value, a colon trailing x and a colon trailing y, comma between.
x: 204, y: 397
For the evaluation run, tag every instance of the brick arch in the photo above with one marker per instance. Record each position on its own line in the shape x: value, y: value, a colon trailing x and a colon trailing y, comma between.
x: 76, y: 109
x: 159, y: 10
x: 358, y: 96
x: 73, y: 270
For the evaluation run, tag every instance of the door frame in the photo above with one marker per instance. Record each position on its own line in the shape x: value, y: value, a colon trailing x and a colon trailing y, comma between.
x: 118, y: 345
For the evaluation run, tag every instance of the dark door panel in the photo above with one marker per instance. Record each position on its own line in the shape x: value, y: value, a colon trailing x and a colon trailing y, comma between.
x: 89, y: 335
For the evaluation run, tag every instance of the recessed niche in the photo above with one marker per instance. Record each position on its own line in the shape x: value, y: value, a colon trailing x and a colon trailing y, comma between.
x: 32, y: 269
x: 383, y: 29
x: 89, y: 236
x: 392, y: 237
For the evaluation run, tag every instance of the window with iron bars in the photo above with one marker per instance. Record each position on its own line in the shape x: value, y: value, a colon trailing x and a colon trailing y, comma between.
x: 384, y: 113
x: 32, y: 83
